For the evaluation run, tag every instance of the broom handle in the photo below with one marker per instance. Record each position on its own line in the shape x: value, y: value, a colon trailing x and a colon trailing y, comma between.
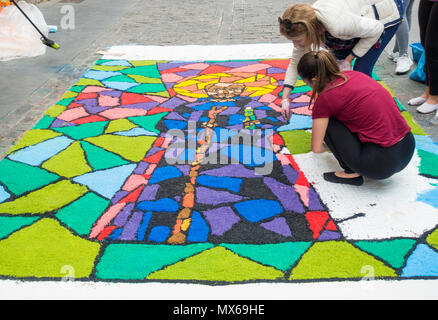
x: 13, y: 1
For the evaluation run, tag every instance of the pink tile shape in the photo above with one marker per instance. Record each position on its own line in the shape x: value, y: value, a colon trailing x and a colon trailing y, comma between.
x: 171, y: 77
x: 95, y: 89
x: 72, y: 114
x: 121, y: 113
x: 283, y: 159
x: 252, y: 68
x: 304, y: 98
x: 107, y: 101
x: 274, y: 107
x: 302, y: 110
x: 106, y: 218
x: 196, y: 66
x: 157, y: 99
x: 133, y: 182
x: 268, y: 98
x: 303, y: 191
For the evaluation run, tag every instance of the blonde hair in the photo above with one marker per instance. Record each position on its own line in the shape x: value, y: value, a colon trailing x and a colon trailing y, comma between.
x: 322, y: 66
x: 301, y: 19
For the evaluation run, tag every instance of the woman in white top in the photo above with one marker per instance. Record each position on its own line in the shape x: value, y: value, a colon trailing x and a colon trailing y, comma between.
x: 348, y: 28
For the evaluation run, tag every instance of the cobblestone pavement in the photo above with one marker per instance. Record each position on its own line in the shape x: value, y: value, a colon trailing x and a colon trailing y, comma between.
x: 149, y: 22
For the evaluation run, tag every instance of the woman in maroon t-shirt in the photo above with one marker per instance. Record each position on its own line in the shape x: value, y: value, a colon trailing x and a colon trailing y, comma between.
x: 358, y: 120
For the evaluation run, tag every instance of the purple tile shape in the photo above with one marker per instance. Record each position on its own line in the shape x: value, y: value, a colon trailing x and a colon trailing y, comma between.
x: 238, y: 127
x: 230, y: 111
x: 260, y: 114
x: 278, y: 225
x: 95, y: 109
x: 173, y: 103
x: 149, y: 193
x: 275, y: 70
x: 143, y: 105
x: 195, y: 115
x: 153, y: 151
x: 314, y: 201
x: 113, y: 93
x: 232, y: 170
x: 221, y: 220
x: 285, y: 194
x: 122, y: 216
x: 119, y: 196
x: 131, y: 227
x: 213, y: 197
x: 267, y: 126
x: 188, y: 73
x: 185, y: 169
x: 174, y: 116
x: 88, y: 102
x: 329, y: 235
x: 141, y: 168
x: 294, y: 105
x: 58, y: 123
x: 236, y: 64
x: 291, y: 174
x: 254, y: 104
x: 171, y: 65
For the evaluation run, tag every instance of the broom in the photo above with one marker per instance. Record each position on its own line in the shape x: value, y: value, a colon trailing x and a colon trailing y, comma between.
x: 44, y: 39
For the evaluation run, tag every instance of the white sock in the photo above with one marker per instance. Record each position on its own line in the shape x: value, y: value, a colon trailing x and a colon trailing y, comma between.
x: 427, y: 108
x: 417, y: 101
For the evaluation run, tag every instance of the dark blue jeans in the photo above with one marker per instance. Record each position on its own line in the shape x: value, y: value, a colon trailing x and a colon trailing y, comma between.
x: 366, y: 63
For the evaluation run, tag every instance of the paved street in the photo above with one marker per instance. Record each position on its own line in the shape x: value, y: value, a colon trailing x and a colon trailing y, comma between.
x: 30, y: 86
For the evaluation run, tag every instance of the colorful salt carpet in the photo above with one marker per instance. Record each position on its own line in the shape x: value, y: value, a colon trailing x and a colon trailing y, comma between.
x: 136, y: 175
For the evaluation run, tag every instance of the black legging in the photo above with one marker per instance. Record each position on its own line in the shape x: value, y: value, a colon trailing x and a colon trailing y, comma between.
x: 428, y: 21
x: 367, y: 159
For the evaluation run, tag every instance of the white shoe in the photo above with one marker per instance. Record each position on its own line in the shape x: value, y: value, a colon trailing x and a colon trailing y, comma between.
x: 418, y: 101
x: 393, y: 56
x: 404, y: 64
x: 427, y: 108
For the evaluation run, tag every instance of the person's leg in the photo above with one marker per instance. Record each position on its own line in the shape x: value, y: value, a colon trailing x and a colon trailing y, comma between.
x: 366, y: 63
x: 402, y: 34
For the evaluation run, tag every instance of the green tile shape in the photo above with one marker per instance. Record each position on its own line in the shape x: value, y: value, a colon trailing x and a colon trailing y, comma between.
x: 55, y: 110
x: 32, y: 137
x: 130, y: 148
x: 149, y: 71
x: 84, y: 130
x: 415, y: 128
x: 109, y: 68
x: 45, y: 249
x: 44, y: 122
x: 119, y: 125
x: 137, y: 261
x: 121, y: 78
x: 297, y: 141
x: 83, y: 213
x: 69, y: 163
x: 428, y: 163
x: 148, y: 122
x: 15, y: 176
x: 280, y: 256
x: 338, y: 260
x: 150, y: 88
x: 392, y: 251
x: 9, y: 225
x: 100, y: 159
x: 44, y: 200
x: 432, y: 239
x: 217, y: 264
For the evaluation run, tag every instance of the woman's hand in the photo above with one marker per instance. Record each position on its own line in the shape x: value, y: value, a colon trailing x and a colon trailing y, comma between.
x: 346, y: 64
x: 285, y: 109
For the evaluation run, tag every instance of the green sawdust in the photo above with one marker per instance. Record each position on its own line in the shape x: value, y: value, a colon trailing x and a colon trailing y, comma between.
x: 141, y: 63
x: 148, y: 122
x: 280, y: 256
x: 12, y: 224
x: 69, y: 163
x: 83, y: 131
x: 432, y: 239
x: 149, y: 71
x: 65, y: 102
x: 33, y: 137
x: 121, y: 78
x: 43, y: 201
x: 100, y: 159
x: 137, y: 261
x: 143, y: 79
x: 70, y: 94
x: 391, y: 251
x: 217, y: 264
x: 415, y: 128
x: 55, y: 111
x: 150, y: 88
x: 54, y: 250
x: 109, y: 68
x: 83, y: 213
x: 297, y: 141
x: 335, y: 259
x: 119, y: 125
x: 15, y: 176
x: 130, y: 148
x: 44, y: 122
x: 428, y: 163
x: 89, y: 82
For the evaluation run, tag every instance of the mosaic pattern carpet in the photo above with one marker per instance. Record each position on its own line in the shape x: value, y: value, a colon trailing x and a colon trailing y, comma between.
x: 134, y: 176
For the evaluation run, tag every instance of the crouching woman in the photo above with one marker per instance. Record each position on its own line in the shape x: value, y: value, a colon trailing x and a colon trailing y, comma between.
x: 358, y: 120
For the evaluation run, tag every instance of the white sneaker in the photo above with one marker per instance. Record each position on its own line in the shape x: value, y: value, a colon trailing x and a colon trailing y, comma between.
x: 393, y: 56
x: 427, y: 108
x: 404, y: 64
x: 418, y: 101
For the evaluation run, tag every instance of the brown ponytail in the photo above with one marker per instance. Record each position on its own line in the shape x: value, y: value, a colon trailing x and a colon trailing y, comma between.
x: 301, y: 19
x: 322, y: 66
